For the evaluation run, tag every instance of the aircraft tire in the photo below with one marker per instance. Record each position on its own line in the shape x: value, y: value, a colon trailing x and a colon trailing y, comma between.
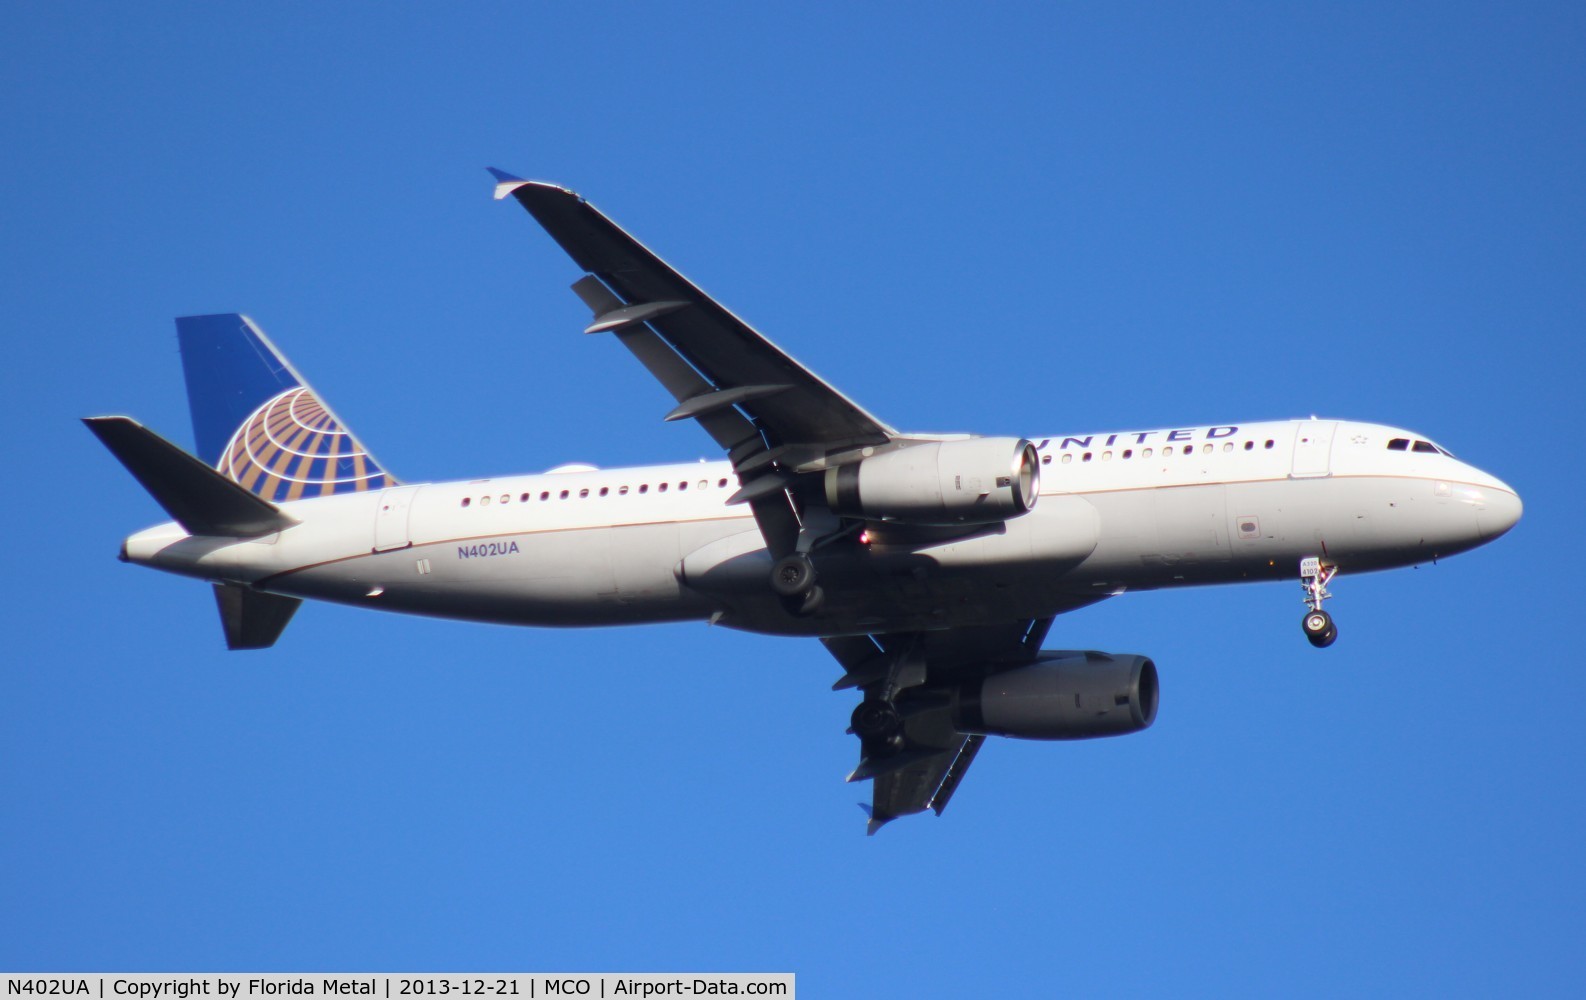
x: 874, y: 719
x: 813, y: 602
x: 793, y: 576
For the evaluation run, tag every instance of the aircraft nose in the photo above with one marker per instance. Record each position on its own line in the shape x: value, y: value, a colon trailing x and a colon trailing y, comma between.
x: 1500, y: 512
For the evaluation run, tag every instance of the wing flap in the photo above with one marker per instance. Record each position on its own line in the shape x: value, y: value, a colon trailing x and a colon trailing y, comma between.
x: 729, y: 428
x: 955, y: 772
x: 937, y: 758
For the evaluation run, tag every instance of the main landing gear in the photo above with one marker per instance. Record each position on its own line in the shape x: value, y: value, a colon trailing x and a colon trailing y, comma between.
x: 1318, y: 624
x: 884, y: 745
x: 793, y: 576
x: 876, y: 720
x: 793, y: 579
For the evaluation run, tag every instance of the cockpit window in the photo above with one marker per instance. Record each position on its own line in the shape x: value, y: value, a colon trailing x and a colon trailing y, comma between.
x: 1426, y: 448
x: 1399, y: 444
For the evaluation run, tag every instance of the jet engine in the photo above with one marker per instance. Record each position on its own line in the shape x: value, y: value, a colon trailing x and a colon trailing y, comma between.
x: 1063, y: 695
x: 972, y: 481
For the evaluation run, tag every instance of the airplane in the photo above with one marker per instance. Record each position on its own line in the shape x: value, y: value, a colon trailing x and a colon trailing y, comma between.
x: 931, y: 566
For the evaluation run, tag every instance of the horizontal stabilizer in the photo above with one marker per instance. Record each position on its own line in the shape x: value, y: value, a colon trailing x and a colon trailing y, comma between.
x: 253, y: 619
x: 201, y: 500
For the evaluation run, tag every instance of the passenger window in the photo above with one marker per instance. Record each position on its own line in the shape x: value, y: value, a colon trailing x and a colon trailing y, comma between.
x: 1229, y: 446
x: 1206, y: 449
x: 722, y: 483
x: 467, y: 501
x: 1249, y: 445
x: 605, y: 490
x: 1067, y: 458
x: 622, y: 491
x: 545, y: 495
x: 1085, y: 457
x: 1425, y: 447
x: 1189, y: 449
x: 563, y: 495
x: 1046, y: 459
x: 1128, y: 453
x: 644, y: 487
x: 1399, y: 444
x: 704, y: 484
x: 525, y: 498
x: 1106, y: 456
x: 506, y: 498
x: 484, y: 501
x: 682, y: 485
x: 1269, y: 442
x: 1146, y: 453
x: 583, y: 494
x: 661, y: 488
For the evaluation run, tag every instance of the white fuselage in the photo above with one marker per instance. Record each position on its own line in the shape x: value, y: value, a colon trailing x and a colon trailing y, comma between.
x: 1133, y: 510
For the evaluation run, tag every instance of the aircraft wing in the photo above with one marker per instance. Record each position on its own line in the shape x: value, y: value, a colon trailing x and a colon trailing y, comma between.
x: 729, y: 353
x: 922, y: 766
x: 768, y: 411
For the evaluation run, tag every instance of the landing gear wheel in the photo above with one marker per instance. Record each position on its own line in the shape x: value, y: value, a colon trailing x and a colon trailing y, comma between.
x: 812, y: 602
x: 793, y: 576
x: 874, y: 719
x: 806, y: 604
x: 1319, y: 628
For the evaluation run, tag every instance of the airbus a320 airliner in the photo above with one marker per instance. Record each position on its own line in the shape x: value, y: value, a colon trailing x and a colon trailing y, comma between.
x: 931, y: 566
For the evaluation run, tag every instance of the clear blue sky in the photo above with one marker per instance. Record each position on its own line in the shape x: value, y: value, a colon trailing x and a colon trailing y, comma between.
x: 1028, y: 219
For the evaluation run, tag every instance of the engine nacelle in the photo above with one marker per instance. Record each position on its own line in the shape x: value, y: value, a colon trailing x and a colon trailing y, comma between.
x: 1063, y: 695
x: 973, y: 481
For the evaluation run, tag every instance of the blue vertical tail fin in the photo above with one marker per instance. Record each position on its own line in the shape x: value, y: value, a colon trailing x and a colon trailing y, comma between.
x: 259, y: 423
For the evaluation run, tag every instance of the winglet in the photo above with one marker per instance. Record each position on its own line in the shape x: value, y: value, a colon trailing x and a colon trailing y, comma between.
x: 873, y: 824
x: 505, y: 182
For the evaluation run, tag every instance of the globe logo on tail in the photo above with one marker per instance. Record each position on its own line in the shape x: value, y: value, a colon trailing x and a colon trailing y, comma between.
x: 292, y: 448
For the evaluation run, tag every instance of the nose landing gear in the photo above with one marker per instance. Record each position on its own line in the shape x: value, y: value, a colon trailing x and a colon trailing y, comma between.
x: 1318, y: 624
x: 1319, y: 628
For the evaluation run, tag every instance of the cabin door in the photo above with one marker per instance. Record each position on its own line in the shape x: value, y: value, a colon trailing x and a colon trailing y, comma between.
x: 1313, y: 449
x: 391, y: 520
